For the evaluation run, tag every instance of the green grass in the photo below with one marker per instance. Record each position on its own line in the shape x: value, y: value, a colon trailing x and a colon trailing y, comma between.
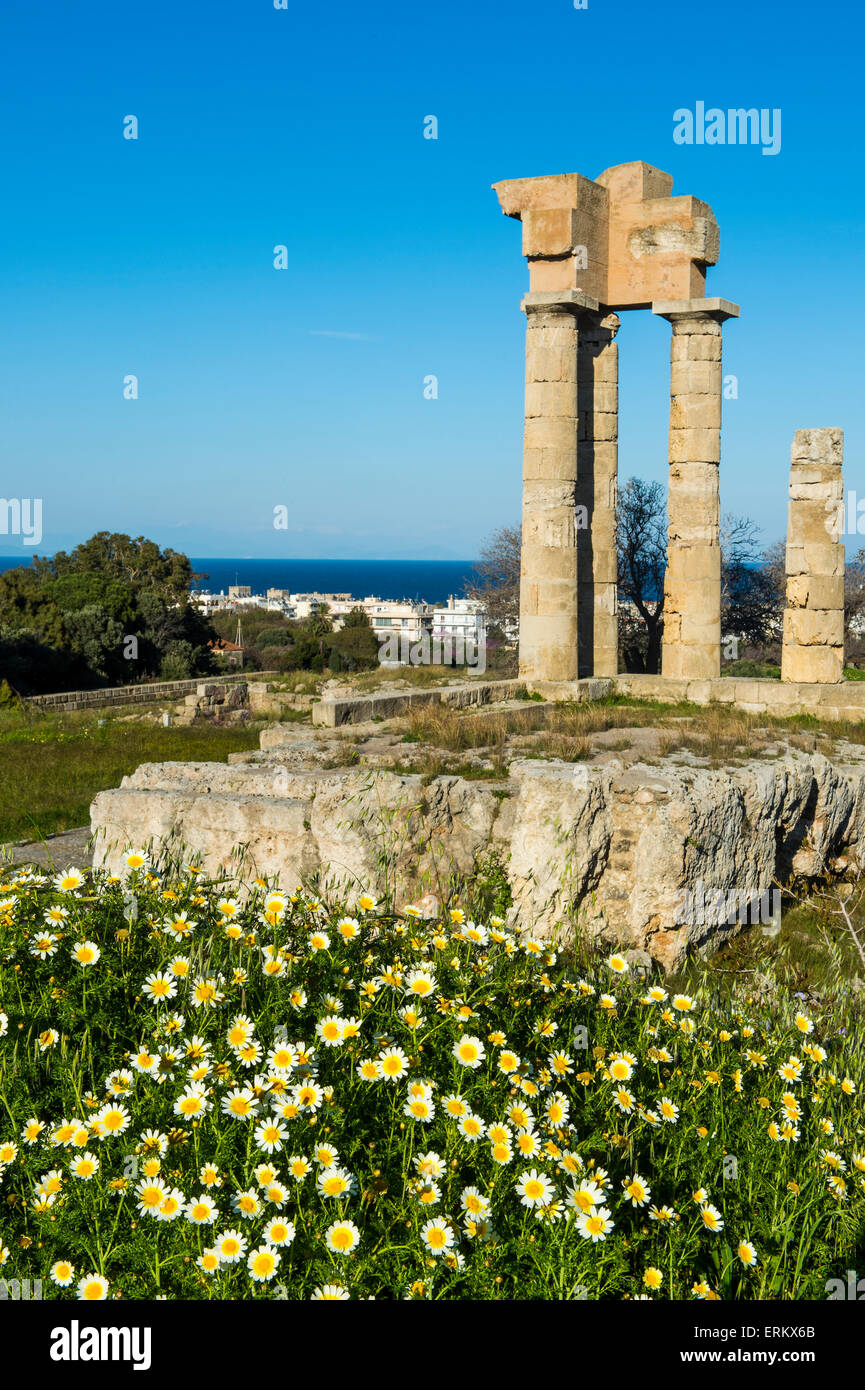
x: 751, y: 670
x: 797, y: 958
x: 52, y: 766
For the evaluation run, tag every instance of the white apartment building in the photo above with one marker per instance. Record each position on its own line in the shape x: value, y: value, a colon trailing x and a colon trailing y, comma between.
x: 462, y: 617
x: 390, y: 616
x: 209, y: 603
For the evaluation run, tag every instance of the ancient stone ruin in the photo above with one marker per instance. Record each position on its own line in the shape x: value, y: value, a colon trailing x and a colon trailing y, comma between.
x: 621, y: 844
x: 813, y: 646
x: 596, y: 248
x: 636, y: 838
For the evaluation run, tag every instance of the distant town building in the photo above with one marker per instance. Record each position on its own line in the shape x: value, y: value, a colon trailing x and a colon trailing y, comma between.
x: 463, y: 621
x: 464, y: 618
x: 231, y: 653
x: 410, y: 620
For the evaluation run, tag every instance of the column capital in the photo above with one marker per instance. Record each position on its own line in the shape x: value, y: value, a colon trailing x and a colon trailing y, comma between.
x: 559, y: 301
x: 673, y: 309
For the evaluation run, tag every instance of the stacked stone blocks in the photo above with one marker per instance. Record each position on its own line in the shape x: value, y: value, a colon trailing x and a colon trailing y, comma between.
x: 692, y: 584
x: 813, y: 639
x: 596, y: 495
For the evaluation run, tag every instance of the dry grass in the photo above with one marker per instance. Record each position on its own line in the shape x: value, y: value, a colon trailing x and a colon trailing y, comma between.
x: 415, y: 677
x: 294, y: 682
x: 720, y: 735
x: 443, y: 726
x: 811, y: 955
x: 716, y: 734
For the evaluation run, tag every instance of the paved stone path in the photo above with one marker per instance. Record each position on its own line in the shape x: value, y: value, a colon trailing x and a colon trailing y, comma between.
x: 70, y: 847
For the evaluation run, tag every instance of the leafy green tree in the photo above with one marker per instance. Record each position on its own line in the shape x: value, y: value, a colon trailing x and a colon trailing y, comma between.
x: 319, y: 624
x: 65, y: 620
x: 72, y: 592
x: 139, y: 563
x: 99, y: 638
x: 34, y: 668
x: 24, y: 608
x: 270, y: 637
x: 178, y: 661
x: 355, y: 646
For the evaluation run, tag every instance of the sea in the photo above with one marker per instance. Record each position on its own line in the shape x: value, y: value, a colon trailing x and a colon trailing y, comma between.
x: 433, y: 581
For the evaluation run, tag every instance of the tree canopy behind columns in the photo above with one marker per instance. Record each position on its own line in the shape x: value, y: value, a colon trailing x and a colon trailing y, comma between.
x: 854, y: 608
x: 752, y: 587
x: 355, y: 646
x: 641, y: 544
x: 498, y: 577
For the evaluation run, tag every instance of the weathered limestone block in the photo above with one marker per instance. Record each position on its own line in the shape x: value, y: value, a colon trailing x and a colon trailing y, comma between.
x: 550, y: 398
x: 807, y: 524
x: 695, y: 378
x: 694, y: 411
x: 814, y: 627
x: 695, y: 445
x: 561, y: 836
x: 695, y: 348
x: 813, y: 635
x: 547, y: 363
x: 623, y: 848
x: 823, y: 447
x: 816, y: 591
x: 695, y: 565
x: 359, y: 709
x: 820, y: 559
x: 812, y: 665
x: 605, y: 399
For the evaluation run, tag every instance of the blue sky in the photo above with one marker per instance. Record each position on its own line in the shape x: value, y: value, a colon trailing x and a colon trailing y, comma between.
x: 304, y: 127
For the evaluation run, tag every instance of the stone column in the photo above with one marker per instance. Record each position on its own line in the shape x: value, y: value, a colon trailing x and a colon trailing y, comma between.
x: 692, y: 584
x: 596, y: 492
x: 548, y: 574
x: 813, y: 645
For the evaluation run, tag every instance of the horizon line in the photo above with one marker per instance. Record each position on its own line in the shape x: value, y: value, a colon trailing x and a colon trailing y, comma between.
x: 291, y: 559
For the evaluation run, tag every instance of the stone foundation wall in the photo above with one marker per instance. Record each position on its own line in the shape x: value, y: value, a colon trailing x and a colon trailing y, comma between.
x: 360, y: 709
x: 68, y: 700
x: 842, y: 701
x: 621, y: 846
